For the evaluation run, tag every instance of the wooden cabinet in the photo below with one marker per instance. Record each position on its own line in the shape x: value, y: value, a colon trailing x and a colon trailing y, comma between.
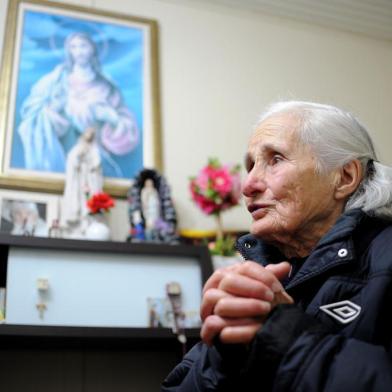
x: 94, y: 334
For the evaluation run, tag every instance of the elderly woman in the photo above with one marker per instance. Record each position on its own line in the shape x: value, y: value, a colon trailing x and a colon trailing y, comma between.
x: 311, y: 309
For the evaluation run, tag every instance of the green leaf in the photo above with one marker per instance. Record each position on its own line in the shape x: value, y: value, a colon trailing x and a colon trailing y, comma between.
x: 214, y: 162
x: 236, y: 169
x: 210, y: 193
x: 224, y: 246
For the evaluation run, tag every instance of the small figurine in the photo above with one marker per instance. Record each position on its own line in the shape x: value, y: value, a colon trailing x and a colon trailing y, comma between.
x: 83, y: 177
x: 55, y: 229
x: 151, y: 209
x: 173, y: 291
x: 137, y: 231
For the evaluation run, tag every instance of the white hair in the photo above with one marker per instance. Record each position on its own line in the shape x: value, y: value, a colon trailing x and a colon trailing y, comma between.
x: 336, y: 137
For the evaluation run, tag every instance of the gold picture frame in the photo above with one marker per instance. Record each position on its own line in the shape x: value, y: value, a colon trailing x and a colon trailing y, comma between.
x: 46, y: 102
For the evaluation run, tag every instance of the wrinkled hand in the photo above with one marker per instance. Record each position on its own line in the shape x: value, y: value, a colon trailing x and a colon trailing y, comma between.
x: 237, y: 299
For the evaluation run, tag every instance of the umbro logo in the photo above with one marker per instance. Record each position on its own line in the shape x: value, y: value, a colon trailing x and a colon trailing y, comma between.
x: 343, y: 311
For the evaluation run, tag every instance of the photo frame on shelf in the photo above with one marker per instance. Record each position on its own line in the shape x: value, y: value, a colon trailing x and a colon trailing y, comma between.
x: 27, y: 213
x: 161, y: 315
x: 83, y: 69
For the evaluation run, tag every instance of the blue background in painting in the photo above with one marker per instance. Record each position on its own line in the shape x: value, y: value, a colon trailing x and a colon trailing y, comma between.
x: 120, y: 51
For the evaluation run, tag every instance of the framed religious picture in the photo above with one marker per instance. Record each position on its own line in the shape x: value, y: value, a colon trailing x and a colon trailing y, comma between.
x: 67, y: 69
x: 28, y: 213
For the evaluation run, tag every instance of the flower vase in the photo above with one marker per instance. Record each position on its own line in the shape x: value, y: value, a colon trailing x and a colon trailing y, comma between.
x: 220, y: 261
x: 98, y: 229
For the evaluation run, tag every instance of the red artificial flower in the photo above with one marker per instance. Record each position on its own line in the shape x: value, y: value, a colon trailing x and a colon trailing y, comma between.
x: 100, y: 202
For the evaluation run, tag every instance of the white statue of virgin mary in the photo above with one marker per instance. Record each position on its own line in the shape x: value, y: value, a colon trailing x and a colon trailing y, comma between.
x: 83, y: 178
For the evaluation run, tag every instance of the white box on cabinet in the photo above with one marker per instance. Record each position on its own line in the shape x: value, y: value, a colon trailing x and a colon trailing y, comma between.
x: 94, y: 289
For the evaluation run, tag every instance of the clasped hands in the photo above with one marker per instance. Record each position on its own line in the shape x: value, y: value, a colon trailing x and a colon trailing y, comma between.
x: 237, y: 299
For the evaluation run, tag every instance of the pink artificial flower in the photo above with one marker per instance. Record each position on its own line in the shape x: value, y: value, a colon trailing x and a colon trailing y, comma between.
x: 205, y: 176
x: 222, y: 181
x: 216, y: 187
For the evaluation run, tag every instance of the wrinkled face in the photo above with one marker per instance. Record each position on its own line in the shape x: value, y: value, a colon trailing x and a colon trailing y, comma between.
x: 81, y: 50
x: 283, y: 192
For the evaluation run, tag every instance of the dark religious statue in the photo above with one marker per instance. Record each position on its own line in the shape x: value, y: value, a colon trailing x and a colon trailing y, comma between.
x: 151, y: 212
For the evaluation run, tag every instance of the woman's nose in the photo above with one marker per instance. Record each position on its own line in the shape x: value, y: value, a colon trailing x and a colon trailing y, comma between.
x: 253, y: 184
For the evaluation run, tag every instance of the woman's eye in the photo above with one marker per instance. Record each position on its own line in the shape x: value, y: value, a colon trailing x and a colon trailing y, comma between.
x: 249, y: 166
x: 276, y: 159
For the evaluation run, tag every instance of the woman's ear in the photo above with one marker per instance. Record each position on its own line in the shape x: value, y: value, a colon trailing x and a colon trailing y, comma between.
x: 348, y: 179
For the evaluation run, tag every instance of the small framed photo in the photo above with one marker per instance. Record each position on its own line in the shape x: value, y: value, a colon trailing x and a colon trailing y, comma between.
x: 27, y: 213
x: 160, y: 313
x: 80, y: 69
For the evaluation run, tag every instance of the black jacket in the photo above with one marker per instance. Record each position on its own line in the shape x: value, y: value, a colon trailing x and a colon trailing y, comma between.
x: 337, y: 336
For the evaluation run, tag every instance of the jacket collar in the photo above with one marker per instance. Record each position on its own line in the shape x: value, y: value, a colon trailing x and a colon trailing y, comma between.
x: 334, y: 249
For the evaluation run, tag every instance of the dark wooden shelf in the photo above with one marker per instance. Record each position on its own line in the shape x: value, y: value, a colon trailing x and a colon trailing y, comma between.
x: 90, y: 332
x: 101, y: 337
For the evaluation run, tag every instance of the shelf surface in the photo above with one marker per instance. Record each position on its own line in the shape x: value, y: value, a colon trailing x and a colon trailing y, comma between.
x: 12, y: 336
x: 102, y: 246
x: 90, y: 332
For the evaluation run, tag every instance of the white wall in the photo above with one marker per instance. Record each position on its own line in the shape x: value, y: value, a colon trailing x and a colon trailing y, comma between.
x: 219, y: 67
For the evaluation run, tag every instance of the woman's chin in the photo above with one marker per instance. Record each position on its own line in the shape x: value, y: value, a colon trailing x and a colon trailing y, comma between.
x: 261, y: 228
